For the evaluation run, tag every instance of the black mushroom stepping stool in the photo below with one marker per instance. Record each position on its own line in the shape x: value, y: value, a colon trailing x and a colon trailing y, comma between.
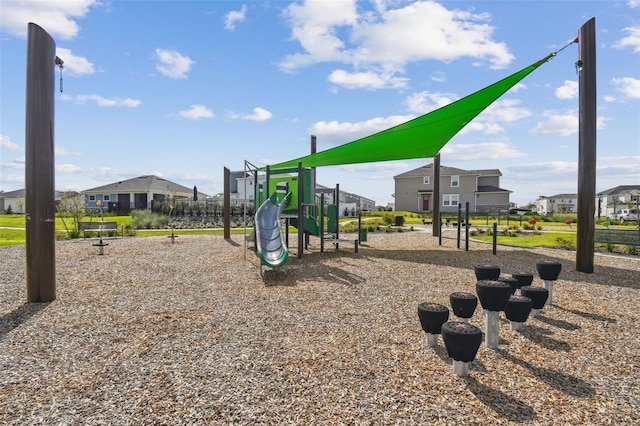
x: 462, y: 341
x: 493, y: 297
x: 486, y: 272
x: 517, y: 311
x: 538, y: 296
x: 513, y: 282
x: 432, y: 316
x: 549, y: 271
x: 523, y: 278
x: 463, y: 304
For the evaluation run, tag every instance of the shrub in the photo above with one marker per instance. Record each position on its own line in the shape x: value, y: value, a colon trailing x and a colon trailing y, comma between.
x: 146, y: 219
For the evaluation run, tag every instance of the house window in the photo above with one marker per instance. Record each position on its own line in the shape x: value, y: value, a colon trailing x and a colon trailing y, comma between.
x: 92, y: 197
x: 426, y: 180
x: 106, y: 197
x: 449, y: 200
x: 455, y: 181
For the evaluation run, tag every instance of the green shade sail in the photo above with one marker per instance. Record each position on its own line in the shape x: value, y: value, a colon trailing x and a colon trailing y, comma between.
x: 422, y: 137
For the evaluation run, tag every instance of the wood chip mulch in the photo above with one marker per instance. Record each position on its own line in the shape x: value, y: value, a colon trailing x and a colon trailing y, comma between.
x: 190, y: 333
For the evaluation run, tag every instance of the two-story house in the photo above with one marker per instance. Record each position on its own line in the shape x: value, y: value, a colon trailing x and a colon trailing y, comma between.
x: 622, y: 196
x: 480, y: 188
x: 559, y: 203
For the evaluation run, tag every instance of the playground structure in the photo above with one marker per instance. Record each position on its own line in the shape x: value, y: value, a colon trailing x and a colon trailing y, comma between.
x: 290, y: 194
x: 421, y: 137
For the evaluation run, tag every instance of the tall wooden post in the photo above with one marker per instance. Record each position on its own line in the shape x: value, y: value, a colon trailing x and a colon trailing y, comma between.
x: 39, y: 166
x: 587, y: 147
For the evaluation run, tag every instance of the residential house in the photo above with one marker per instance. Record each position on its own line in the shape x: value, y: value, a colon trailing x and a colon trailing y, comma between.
x: 480, y: 188
x: 242, y: 191
x: 14, y: 201
x: 560, y: 203
x: 607, y: 202
x: 138, y: 194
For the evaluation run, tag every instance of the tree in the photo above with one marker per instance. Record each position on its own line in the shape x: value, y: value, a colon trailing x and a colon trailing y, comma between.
x: 72, y: 206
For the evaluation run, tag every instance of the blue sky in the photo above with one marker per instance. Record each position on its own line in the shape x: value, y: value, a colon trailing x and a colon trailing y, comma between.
x: 182, y: 89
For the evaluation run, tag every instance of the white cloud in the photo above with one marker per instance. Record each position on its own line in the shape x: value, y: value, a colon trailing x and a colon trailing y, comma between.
x: 57, y: 17
x: 5, y: 143
x: 60, y: 150
x: 505, y: 111
x: 569, y: 90
x: 628, y: 86
x: 334, y: 132
x: 68, y: 168
x: 633, y: 3
x: 173, y: 64
x: 259, y: 114
x: 438, y: 77
x: 562, y: 124
x: 104, y: 102
x: 424, y: 102
x: 335, y: 32
x: 481, y: 151
x: 233, y: 17
x: 74, y: 65
x: 366, y: 80
x: 632, y: 40
x: 196, y: 112
x: 558, y: 124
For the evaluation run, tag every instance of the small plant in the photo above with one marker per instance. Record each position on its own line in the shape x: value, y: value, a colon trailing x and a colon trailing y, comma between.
x: 631, y: 249
x: 399, y: 229
x: 609, y: 247
x: 565, y: 243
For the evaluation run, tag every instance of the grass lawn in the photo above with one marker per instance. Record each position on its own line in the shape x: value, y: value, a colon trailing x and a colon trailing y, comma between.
x: 545, y: 239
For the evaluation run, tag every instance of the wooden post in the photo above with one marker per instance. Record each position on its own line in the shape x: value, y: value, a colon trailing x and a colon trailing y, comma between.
x: 587, y: 147
x: 39, y: 167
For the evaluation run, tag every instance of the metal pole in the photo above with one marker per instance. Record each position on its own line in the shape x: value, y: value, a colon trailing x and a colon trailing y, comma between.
x: 587, y: 147
x: 495, y: 238
x: 300, y: 211
x: 466, y: 226
x: 39, y: 167
x: 439, y: 228
x: 226, y: 208
x: 458, y: 227
x: 435, y: 230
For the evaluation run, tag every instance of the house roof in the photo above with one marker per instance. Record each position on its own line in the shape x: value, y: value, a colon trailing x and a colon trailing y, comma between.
x: 560, y: 196
x: 491, y: 188
x: 15, y: 194
x: 620, y: 189
x: 22, y: 193
x: 145, y: 183
x: 427, y: 170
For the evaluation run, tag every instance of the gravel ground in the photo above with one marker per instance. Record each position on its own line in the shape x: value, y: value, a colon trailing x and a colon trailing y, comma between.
x: 190, y: 333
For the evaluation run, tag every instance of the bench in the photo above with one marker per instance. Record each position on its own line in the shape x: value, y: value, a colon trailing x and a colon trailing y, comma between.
x: 97, y: 227
x: 453, y: 221
x: 627, y: 237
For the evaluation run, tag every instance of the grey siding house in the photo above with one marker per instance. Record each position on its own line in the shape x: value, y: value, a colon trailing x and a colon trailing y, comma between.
x: 480, y: 188
x: 137, y: 194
